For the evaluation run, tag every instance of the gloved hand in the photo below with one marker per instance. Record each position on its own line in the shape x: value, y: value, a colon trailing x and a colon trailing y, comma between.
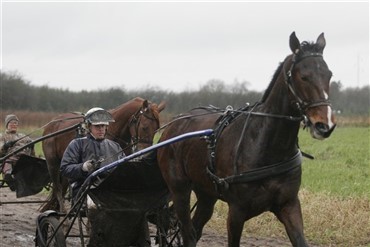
x: 8, y: 144
x: 89, y: 166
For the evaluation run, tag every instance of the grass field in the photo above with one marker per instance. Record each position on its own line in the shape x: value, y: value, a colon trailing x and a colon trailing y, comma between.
x: 342, y: 163
x: 335, y: 192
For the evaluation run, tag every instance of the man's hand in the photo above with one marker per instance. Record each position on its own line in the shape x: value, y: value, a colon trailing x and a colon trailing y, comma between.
x: 9, y: 144
x: 89, y: 166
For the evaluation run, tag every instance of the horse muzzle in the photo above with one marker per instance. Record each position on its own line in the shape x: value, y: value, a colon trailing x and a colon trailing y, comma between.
x: 320, y: 120
x: 321, y: 131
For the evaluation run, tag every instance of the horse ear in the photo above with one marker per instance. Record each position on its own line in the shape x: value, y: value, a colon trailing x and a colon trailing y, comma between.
x: 145, y: 105
x: 294, y: 43
x: 320, y: 42
x: 161, y: 106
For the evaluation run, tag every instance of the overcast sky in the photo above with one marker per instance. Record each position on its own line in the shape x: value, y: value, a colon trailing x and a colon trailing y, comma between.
x: 175, y: 45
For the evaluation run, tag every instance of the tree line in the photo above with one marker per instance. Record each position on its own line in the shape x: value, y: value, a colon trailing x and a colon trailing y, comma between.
x: 19, y: 94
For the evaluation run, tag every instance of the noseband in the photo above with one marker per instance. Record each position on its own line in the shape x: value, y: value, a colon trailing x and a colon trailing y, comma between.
x: 302, y: 105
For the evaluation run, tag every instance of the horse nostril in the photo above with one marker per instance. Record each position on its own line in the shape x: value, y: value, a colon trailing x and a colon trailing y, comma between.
x: 324, y: 129
x: 321, y: 127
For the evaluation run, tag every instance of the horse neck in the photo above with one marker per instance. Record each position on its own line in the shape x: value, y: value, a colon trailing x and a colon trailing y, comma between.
x: 283, y: 132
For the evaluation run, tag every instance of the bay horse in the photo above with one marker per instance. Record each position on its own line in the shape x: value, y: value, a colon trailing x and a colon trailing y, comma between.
x: 135, y: 124
x: 253, y: 161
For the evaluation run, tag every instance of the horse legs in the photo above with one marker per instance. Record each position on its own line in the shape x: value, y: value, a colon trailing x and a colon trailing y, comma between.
x: 181, y: 203
x: 291, y: 216
x: 62, y: 191
x: 203, y: 212
x: 57, y: 192
x: 56, y: 199
x: 235, y: 224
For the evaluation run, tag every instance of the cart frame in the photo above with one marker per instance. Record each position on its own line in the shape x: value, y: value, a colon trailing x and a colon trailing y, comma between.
x: 50, y: 223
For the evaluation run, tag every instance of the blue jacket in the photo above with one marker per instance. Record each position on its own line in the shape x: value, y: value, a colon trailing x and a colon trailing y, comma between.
x: 80, y: 150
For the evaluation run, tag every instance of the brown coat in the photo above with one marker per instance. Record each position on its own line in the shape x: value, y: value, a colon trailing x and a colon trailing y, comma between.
x: 23, y: 140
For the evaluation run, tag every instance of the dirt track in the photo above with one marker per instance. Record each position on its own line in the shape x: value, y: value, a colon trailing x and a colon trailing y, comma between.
x: 18, y: 224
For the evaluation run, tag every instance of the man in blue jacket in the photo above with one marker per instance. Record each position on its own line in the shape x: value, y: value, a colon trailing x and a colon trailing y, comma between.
x: 86, y: 154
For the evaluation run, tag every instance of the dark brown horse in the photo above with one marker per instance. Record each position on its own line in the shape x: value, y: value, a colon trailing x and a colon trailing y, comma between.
x: 253, y: 161
x: 135, y: 124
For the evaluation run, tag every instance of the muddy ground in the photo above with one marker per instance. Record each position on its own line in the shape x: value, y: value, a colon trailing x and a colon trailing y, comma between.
x: 18, y: 224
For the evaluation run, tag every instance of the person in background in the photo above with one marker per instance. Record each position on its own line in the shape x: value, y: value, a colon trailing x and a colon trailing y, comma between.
x: 10, y: 141
x: 86, y: 154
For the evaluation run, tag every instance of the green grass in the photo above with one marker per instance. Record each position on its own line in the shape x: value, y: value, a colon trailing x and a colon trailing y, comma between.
x: 342, y: 164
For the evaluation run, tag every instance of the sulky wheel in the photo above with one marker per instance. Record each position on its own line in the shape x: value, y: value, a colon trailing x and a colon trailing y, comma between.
x: 47, y: 235
x: 168, y: 230
x: 174, y: 238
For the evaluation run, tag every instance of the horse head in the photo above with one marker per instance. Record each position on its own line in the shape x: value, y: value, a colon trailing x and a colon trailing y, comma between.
x: 308, y: 80
x: 143, y: 125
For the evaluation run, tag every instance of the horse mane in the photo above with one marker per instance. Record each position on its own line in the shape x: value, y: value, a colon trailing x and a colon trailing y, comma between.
x: 272, y: 83
x: 305, y: 47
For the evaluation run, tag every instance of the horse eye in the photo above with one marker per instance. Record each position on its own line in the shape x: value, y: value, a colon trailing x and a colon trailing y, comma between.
x: 305, y: 78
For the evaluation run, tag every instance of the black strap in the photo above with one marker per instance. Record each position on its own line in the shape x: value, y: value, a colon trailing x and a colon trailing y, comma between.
x: 260, y: 173
x: 266, y: 171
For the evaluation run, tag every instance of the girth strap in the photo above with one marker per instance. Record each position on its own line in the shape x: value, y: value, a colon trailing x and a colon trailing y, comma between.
x: 266, y: 171
x: 256, y: 174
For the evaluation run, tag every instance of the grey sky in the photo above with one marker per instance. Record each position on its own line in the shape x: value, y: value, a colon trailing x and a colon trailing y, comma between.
x: 176, y: 45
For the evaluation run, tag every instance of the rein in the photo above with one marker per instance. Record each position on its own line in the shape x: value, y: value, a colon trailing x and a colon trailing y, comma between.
x: 30, y: 144
x: 75, y: 126
x: 179, y: 117
x: 42, y: 127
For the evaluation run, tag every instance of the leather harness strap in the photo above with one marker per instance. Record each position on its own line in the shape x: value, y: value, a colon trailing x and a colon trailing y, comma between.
x: 222, y: 184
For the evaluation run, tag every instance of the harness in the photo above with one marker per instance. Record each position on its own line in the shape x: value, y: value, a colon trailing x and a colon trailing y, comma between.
x: 222, y: 184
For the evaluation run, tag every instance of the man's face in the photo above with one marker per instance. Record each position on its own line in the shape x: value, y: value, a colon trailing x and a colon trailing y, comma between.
x: 13, y: 126
x: 98, y: 131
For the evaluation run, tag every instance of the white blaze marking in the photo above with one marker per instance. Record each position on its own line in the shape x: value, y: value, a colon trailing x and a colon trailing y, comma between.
x: 326, y: 96
x: 330, y: 123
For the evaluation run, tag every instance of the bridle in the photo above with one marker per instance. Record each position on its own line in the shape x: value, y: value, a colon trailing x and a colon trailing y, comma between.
x: 301, y: 104
x: 135, y: 122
